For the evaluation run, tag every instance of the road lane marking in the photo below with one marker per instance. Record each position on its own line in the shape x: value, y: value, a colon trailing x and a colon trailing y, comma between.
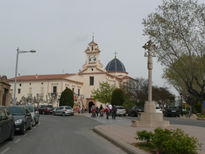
x: 18, y: 140
x: 5, y: 150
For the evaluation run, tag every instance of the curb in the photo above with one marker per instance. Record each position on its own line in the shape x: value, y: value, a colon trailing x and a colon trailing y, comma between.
x: 124, y: 146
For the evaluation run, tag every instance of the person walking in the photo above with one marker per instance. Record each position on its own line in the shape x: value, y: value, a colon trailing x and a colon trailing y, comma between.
x: 97, y: 110
x: 107, y: 111
x: 93, y: 111
x: 101, y: 110
x: 114, y: 110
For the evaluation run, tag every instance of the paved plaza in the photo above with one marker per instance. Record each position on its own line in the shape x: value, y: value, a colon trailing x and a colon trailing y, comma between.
x: 120, y: 130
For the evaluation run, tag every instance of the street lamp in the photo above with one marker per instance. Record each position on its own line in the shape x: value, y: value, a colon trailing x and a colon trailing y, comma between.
x: 16, y: 69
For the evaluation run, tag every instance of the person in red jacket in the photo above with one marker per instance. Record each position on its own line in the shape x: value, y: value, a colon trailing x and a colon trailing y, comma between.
x: 107, y: 111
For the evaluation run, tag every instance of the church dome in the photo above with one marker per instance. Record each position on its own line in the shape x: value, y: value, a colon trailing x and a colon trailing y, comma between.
x: 115, y: 65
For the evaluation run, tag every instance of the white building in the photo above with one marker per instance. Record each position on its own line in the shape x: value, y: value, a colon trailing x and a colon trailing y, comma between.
x: 48, y: 87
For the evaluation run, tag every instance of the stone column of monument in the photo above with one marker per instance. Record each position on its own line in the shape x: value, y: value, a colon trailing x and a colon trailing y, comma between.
x: 150, y: 118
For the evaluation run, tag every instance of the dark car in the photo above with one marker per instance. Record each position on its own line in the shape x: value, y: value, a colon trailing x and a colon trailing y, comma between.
x: 22, y: 118
x: 7, y: 127
x: 45, y: 109
x: 172, y: 112
x: 135, y: 110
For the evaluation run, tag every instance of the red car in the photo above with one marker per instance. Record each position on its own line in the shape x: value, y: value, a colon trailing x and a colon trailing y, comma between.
x: 45, y: 109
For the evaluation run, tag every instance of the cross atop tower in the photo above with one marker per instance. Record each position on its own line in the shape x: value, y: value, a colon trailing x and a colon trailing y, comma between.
x: 92, y: 37
x: 115, y: 54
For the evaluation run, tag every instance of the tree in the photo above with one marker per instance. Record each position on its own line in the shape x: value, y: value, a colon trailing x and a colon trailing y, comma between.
x: 178, y: 30
x: 117, y: 97
x: 160, y: 94
x: 163, y: 96
x: 67, y: 98
x: 103, y: 93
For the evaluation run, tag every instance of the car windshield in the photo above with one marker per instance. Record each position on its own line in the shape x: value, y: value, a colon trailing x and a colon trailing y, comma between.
x: 16, y: 110
x: 120, y: 107
x: 31, y: 108
x: 68, y: 107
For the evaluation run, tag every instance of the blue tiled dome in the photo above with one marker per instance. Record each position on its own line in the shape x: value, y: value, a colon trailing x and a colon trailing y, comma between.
x: 115, y: 65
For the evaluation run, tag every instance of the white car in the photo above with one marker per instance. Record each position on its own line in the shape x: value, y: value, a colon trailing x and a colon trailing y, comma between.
x: 158, y: 109
x: 120, y: 111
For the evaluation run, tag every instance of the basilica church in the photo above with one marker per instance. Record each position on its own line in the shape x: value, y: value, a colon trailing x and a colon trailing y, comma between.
x: 48, y: 88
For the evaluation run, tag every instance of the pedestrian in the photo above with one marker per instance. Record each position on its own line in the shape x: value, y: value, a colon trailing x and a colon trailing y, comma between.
x: 107, y: 111
x: 93, y: 111
x: 97, y: 110
x: 101, y: 111
x: 114, y: 110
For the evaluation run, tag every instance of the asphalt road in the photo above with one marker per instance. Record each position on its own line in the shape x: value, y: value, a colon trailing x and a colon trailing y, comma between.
x: 60, y: 135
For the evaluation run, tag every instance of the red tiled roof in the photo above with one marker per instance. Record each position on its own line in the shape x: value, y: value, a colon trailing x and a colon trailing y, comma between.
x: 41, y: 77
x: 128, y: 77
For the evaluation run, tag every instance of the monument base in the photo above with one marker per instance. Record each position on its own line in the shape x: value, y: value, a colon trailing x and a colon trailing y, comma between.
x: 150, y: 118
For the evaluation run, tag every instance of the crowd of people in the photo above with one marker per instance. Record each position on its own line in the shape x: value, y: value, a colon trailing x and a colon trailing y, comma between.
x: 109, y: 110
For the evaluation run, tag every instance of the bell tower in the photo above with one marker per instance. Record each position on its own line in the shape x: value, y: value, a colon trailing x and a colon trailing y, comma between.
x: 92, y: 53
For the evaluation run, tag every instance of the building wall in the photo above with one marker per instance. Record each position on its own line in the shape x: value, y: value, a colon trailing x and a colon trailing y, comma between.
x: 43, y: 88
x: 4, y: 91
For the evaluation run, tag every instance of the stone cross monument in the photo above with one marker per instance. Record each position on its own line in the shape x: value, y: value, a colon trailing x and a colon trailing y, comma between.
x: 150, y: 118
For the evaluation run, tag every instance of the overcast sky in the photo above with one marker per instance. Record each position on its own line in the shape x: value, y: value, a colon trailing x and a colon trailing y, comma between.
x: 60, y: 30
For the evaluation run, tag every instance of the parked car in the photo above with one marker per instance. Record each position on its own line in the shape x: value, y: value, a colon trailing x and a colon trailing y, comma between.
x: 120, y: 111
x: 63, y: 110
x: 45, y: 109
x: 172, y: 112
x: 34, y: 114
x: 135, y: 110
x: 7, y: 127
x: 22, y: 118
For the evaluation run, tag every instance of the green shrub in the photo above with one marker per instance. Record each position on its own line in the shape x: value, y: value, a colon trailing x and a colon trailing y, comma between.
x: 117, y: 97
x: 170, y: 141
x: 67, y: 98
x: 145, y: 136
x: 201, y: 115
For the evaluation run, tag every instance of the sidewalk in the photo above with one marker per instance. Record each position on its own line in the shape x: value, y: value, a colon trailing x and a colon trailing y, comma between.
x: 123, y: 135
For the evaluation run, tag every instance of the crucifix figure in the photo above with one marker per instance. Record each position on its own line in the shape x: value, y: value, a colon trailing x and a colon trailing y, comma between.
x: 150, y: 47
x: 115, y: 54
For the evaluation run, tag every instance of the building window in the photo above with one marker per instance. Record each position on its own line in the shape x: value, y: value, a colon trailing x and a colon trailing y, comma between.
x: 78, y: 92
x: 73, y: 89
x: 41, y: 82
x: 29, y: 83
x: 54, y: 89
x: 19, y: 91
x: 20, y: 84
x: 91, y: 80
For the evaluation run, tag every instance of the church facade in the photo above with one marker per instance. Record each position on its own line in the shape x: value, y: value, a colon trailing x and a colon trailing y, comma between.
x: 48, y: 88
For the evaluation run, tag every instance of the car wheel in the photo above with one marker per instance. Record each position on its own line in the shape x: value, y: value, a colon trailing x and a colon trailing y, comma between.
x: 11, y: 136
x: 23, y: 129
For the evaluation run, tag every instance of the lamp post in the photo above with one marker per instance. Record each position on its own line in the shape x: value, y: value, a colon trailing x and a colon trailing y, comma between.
x: 16, y: 69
